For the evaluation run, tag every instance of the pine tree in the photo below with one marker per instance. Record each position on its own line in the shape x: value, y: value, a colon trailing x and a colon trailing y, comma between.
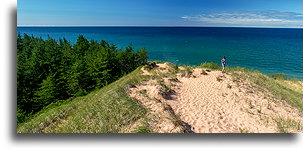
x: 48, y: 71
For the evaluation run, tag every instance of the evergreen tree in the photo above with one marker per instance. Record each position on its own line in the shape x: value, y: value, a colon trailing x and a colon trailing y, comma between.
x: 48, y: 71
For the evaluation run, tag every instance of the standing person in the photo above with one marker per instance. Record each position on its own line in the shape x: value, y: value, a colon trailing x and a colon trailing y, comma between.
x: 223, y: 63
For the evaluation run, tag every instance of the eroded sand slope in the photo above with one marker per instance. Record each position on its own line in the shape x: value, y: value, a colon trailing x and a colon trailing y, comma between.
x: 214, y: 103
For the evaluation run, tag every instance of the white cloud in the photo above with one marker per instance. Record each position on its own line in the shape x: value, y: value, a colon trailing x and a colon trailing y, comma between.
x: 267, y: 18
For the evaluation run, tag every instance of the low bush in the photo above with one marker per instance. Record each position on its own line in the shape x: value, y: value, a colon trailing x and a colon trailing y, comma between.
x: 211, y: 65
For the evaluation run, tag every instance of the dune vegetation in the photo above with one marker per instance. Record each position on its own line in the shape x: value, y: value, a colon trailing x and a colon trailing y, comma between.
x: 129, y: 106
x: 93, y: 87
x: 108, y: 110
x: 51, y: 71
x: 239, y: 100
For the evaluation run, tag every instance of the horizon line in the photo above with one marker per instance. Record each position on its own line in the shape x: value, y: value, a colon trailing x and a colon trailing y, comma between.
x: 154, y: 26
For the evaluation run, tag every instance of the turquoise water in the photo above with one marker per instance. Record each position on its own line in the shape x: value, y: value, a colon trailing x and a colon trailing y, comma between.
x: 269, y: 50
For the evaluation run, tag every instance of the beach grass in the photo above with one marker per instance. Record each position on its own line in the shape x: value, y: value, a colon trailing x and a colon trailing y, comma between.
x: 287, y: 125
x: 111, y: 110
x: 279, y: 85
x: 107, y: 110
x: 211, y: 66
x: 279, y: 88
x: 144, y: 127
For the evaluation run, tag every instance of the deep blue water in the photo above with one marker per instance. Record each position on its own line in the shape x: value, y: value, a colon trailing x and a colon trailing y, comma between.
x: 269, y: 50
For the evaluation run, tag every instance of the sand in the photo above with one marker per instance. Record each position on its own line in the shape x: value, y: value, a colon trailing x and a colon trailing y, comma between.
x: 158, y: 112
x: 213, y: 103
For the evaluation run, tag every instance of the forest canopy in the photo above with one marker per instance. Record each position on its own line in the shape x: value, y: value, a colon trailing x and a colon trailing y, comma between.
x: 50, y: 70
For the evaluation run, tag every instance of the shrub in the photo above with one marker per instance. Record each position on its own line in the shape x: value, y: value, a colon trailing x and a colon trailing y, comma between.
x: 81, y: 93
x: 279, y: 76
x: 211, y: 65
x: 21, y: 116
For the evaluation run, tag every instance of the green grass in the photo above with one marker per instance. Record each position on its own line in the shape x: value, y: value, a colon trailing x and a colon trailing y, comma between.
x: 110, y: 110
x: 143, y: 128
x: 262, y: 81
x: 279, y: 76
x: 165, y: 90
x: 211, y: 66
x: 285, y: 125
x: 107, y: 110
x: 143, y: 93
x: 187, y: 72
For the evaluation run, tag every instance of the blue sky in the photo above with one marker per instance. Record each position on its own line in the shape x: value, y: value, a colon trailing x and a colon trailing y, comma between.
x: 220, y: 13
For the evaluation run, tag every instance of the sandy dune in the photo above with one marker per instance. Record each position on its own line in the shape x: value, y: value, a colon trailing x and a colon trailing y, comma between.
x: 213, y: 103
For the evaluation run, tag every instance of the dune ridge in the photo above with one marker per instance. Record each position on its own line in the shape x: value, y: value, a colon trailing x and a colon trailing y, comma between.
x: 213, y: 102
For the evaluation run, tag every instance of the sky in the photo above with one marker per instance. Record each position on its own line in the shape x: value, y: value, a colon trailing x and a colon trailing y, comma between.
x: 205, y: 13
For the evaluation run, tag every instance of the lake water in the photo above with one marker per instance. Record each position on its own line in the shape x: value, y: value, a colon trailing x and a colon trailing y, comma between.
x: 269, y: 50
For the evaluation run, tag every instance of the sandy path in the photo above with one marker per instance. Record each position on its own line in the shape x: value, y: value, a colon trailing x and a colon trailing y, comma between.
x: 212, y: 106
x: 212, y: 103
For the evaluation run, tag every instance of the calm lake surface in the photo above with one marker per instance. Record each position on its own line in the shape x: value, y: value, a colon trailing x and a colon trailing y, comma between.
x: 269, y: 50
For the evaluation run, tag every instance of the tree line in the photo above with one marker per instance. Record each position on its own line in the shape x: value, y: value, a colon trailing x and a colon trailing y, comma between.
x: 50, y: 70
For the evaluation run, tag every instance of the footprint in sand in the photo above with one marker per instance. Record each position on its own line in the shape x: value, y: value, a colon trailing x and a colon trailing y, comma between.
x: 208, y: 105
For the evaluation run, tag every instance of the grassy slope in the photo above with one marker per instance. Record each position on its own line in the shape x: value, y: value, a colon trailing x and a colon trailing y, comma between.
x: 107, y: 110
x: 289, y: 91
x: 110, y: 110
x: 286, y: 90
x: 278, y: 88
